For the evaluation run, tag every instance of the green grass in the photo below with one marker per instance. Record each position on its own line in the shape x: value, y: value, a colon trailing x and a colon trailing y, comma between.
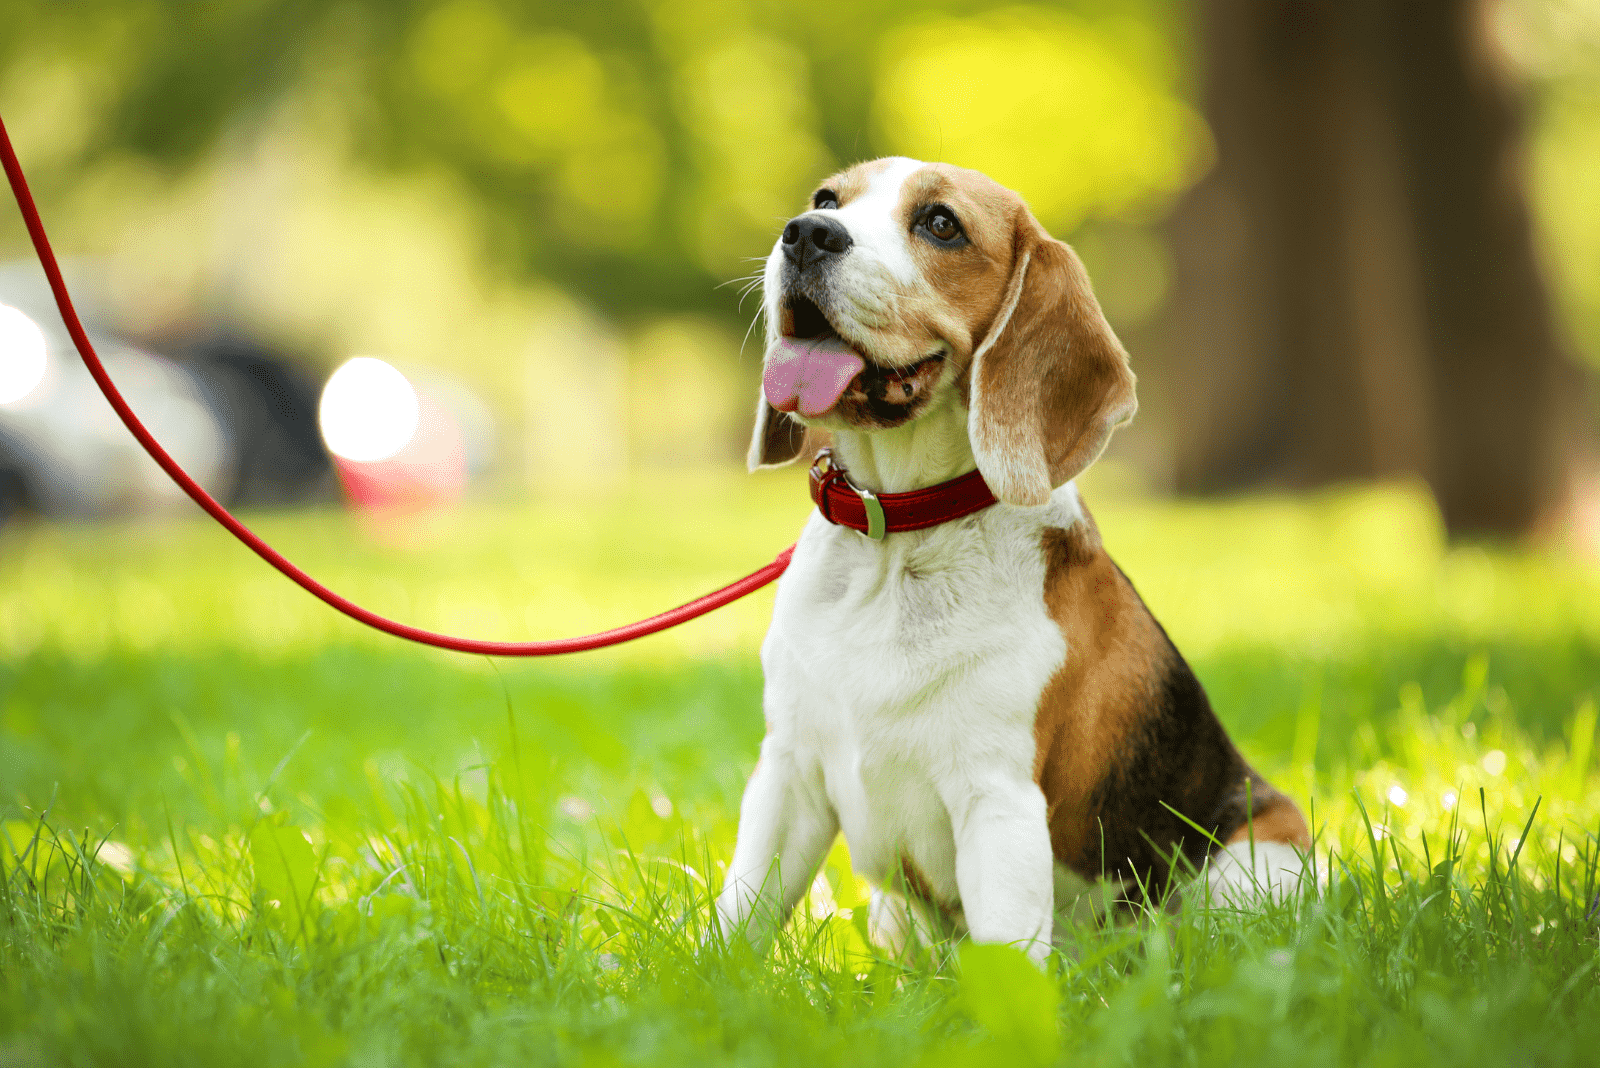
x: 240, y: 830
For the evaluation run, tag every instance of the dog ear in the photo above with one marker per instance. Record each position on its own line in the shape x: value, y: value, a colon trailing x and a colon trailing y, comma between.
x: 1050, y: 381
x: 778, y: 439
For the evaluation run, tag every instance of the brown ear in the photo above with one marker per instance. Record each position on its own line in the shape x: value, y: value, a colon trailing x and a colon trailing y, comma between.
x: 1050, y: 380
x: 778, y: 439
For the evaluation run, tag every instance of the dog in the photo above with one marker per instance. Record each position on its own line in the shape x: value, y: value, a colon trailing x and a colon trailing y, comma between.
x: 982, y: 704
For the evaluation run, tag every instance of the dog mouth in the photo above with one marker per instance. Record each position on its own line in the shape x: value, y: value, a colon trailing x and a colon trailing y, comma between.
x: 814, y: 369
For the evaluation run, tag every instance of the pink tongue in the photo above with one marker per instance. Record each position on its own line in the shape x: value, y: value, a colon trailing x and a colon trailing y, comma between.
x: 809, y: 374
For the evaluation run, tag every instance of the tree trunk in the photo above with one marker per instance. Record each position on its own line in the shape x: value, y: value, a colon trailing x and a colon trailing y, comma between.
x: 1357, y: 293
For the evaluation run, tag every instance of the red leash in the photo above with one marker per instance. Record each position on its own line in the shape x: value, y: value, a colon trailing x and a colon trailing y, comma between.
x: 682, y: 614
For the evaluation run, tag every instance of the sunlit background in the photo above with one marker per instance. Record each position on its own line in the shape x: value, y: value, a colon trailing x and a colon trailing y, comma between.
x: 534, y: 220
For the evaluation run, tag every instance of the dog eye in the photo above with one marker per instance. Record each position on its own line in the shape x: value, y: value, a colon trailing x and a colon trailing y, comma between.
x: 825, y: 198
x: 938, y: 224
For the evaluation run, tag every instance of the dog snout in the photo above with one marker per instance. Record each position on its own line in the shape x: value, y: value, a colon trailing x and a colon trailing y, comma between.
x: 812, y: 239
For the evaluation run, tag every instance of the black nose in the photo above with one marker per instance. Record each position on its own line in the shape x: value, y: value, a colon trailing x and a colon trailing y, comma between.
x: 814, y: 239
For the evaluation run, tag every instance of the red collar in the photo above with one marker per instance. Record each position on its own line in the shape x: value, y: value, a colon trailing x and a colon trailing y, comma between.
x: 845, y: 504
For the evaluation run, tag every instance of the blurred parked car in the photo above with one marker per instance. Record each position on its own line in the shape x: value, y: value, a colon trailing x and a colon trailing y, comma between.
x: 238, y: 416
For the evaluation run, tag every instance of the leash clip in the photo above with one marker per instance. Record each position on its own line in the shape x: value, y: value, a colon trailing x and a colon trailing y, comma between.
x: 826, y: 469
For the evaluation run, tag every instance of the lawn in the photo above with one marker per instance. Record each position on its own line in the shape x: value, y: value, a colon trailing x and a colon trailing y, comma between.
x: 241, y: 830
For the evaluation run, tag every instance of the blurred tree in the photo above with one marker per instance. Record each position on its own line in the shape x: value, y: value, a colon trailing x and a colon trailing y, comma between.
x: 1357, y: 288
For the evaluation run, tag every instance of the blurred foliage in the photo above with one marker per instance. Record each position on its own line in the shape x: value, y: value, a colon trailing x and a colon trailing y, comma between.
x: 1080, y: 115
x: 1555, y: 44
x: 634, y: 152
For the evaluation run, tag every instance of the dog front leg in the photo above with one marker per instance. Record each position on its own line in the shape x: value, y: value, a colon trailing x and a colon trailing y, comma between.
x: 1003, y: 866
x: 786, y: 826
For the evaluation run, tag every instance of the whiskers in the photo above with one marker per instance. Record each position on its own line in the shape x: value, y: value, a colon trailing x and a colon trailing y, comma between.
x: 752, y: 282
x: 760, y: 311
x: 749, y: 287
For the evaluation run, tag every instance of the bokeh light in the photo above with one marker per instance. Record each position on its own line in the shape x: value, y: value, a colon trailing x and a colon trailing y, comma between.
x: 22, y: 355
x: 369, y: 411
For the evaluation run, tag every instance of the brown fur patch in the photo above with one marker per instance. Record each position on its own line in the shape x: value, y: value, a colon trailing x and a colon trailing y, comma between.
x: 1125, y: 735
x: 961, y: 289
x: 1095, y: 698
x: 1056, y: 381
x: 916, y: 884
x: 1275, y: 819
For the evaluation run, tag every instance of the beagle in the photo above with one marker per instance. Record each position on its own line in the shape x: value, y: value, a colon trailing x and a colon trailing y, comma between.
x: 984, y: 706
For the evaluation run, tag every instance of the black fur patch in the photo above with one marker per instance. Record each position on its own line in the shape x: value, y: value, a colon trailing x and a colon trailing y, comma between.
x: 1179, y: 756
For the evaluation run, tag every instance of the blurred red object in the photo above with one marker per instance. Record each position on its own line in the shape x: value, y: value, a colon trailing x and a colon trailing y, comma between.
x: 429, y: 470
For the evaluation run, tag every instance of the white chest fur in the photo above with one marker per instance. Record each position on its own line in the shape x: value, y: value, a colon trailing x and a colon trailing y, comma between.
x: 903, y: 677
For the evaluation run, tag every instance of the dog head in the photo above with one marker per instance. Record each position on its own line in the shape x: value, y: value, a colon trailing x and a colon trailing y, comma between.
x: 906, y: 280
